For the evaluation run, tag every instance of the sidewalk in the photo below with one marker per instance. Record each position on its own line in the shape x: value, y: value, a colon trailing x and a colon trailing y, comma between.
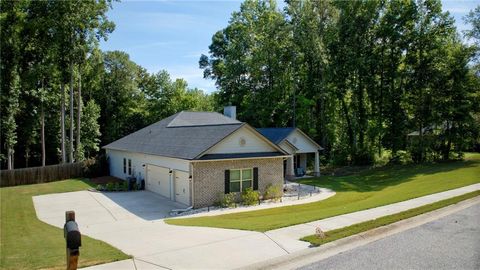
x: 306, y: 257
x: 283, y: 241
x: 288, y: 237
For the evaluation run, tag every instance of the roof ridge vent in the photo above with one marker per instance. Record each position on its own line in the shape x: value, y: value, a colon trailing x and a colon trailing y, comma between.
x: 186, y: 119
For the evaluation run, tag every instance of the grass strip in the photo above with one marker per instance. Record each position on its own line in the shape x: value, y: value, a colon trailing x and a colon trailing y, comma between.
x: 365, y: 190
x: 28, y: 243
x: 386, y: 220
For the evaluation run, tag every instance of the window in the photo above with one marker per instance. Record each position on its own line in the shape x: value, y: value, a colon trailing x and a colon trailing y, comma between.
x: 241, y: 179
x: 124, y: 165
x: 129, y: 167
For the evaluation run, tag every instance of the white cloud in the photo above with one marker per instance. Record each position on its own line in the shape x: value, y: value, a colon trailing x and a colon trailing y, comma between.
x: 195, y: 55
x: 458, y: 7
x: 156, y: 44
x: 193, y: 76
x: 457, y: 10
x: 153, y: 21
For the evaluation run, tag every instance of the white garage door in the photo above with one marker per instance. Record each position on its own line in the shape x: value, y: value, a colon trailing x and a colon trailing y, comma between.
x: 182, y: 187
x: 158, y: 180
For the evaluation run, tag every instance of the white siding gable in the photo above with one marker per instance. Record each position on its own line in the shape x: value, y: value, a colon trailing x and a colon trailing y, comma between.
x: 115, y: 160
x: 303, y: 144
x: 287, y: 147
x: 253, y: 143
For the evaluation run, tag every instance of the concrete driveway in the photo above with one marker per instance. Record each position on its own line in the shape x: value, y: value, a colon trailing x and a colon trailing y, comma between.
x: 133, y: 222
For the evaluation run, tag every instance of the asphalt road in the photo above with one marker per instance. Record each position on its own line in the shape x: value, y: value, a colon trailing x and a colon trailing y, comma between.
x: 452, y: 242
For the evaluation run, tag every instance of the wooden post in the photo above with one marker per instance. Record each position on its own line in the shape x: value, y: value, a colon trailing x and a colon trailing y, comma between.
x: 298, y: 191
x: 69, y: 216
x: 72, y: 255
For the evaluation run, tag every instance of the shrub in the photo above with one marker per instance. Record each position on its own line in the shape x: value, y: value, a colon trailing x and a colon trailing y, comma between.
x: 383, y: 158
x: 250, y: 197
x: 401, y: 157
x: 339, y: 157
x: 363, y: 157
x: 227, y: 200
x: 117, y: 186
x: 96, y: 167
x: 100, y: 188
x: 110, y: 186
x: 273, y: 192
x: 125, y: 185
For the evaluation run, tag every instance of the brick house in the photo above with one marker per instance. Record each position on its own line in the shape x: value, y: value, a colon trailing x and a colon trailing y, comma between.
x: 194, y: 157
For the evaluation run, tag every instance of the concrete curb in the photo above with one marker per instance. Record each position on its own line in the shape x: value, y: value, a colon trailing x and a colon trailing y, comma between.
x: 308, y: 256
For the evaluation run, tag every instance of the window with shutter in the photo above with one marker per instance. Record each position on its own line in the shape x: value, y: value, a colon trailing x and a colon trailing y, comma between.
x: 241, y: 179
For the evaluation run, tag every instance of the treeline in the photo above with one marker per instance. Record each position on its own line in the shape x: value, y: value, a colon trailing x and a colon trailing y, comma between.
x: 362, y: 77
x: 61, y: 97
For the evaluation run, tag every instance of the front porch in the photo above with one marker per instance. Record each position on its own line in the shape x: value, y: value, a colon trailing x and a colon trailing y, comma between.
x: 301, y: 148
x: 296, y: 165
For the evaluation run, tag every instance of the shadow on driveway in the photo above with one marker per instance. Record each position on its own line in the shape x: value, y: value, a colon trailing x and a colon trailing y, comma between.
x: 143, y: 204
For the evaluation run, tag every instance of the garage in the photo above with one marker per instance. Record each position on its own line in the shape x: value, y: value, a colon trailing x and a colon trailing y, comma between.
x: 182, y: 187
x: 158, y: 180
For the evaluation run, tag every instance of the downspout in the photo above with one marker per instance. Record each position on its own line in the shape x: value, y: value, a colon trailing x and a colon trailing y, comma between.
x: 192, y: 187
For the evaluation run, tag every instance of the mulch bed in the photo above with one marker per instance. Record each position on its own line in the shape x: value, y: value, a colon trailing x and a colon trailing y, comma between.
x: 105, y: 180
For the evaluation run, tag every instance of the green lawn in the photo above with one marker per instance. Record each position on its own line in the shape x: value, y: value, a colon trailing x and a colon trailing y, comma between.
x: 372, y: 224
x: 365, y: 190
x: 28, y: 243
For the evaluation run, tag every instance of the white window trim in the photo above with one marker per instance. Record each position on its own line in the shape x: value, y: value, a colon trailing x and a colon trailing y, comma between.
x: 241, y: 180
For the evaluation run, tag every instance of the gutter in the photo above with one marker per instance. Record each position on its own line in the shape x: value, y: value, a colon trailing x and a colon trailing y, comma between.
x: 226, y: 159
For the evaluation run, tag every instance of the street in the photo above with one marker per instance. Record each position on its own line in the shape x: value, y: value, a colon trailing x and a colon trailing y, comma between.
x: 452, y: 242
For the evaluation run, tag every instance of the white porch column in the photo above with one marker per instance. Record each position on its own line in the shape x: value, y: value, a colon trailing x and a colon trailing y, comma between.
x: 303, y: 161
x: 290, y: 171
x: 316, y: 169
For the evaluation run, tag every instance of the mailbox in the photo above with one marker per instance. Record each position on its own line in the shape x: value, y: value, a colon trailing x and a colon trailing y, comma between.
x: 72, y: 235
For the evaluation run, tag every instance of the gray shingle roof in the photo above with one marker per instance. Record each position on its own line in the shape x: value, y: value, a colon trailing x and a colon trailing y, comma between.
x: 276, y: 135
x: 190, y: 134
x: 200, y: 119
x: 240, y: 155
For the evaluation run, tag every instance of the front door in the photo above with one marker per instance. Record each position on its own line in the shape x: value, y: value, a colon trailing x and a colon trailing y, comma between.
x: 182, y: 187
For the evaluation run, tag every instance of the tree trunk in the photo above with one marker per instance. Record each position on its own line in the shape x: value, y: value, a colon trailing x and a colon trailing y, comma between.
x: 62, y: 123
x: 42, y: 135
x: 446, y: 152
x: 79, y: 108
x: 27, y: 156
x: 349, y: 126
x: 10, y: 158
x: 42, y: 125
x: 71, y: 115
x: 420, y: 134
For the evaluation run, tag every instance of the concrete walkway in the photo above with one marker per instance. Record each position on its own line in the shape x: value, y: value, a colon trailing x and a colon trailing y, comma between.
x: 288, y: 237
x: 156, y: 245
x: 317, y: 194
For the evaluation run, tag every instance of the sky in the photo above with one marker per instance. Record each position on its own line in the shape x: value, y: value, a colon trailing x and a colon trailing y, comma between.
x: 171, y: 35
